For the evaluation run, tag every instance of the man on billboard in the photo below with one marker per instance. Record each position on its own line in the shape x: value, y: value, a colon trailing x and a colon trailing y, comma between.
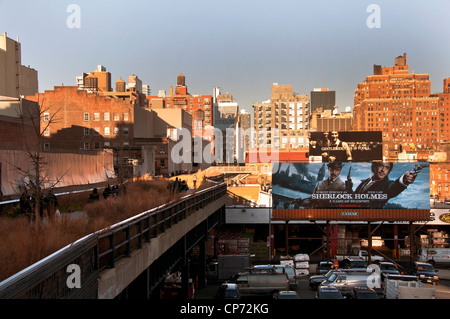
x: 380, y: 183
x: 337, y: 150
x: 333, y: 182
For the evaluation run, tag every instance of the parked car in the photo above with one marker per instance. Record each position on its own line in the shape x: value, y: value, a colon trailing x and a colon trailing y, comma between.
x: 315, y: 281
x: 363, y: 293
x: 228, y: 291
x: 426, y: 272
x: 388, y: 268
x: 288, y: 270
x: 351, y: 263
x: 324, y: 292
x: 288, y: 294
x: 323, y: 267
x: 345, y: 281
x: 446, y: 201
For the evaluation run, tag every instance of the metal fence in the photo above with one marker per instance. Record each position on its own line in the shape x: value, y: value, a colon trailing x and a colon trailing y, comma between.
x: 47, y: 279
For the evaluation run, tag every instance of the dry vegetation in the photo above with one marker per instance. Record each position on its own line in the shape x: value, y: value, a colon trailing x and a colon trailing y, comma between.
x: 24, y: 243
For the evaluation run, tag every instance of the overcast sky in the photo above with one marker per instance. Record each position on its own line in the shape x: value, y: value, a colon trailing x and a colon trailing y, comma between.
x: 241, y: 46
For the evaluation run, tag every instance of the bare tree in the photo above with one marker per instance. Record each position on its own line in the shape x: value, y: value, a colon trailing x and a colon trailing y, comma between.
x: 38, y: 118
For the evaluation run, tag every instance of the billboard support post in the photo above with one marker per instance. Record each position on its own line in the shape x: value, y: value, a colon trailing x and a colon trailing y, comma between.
x: 369, y: 242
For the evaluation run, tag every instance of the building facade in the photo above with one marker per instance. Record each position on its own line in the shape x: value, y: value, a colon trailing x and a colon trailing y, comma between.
x: 323, y: 98
x: 400, y: 104
x: 15, y: 79
x: 283, y: 120
x: 199, y: 106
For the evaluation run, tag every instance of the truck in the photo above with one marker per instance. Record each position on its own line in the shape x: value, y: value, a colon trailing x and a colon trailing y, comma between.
x: 357, y: 253
x: 227, y: 266
x: 407, y: 287
x: 434, y: 255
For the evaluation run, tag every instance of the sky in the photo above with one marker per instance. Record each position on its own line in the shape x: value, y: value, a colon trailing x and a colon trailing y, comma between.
x: 241, y: 46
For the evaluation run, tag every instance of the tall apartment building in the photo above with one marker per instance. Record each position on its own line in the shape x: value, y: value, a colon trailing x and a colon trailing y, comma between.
x: 283, y: 120
x: 323, y: 98
x: 400, y: 104
x: 243, y: 135
x: 15, y: 79
x: 199, y: 106
x: 226, y: 111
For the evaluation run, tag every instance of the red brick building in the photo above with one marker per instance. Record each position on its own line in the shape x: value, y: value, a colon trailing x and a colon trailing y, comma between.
x: 199, y: 106
x: 88, y: 122
x: 401, y: 106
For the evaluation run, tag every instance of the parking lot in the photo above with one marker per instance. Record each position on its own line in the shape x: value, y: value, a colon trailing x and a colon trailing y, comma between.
x: 306, y: 292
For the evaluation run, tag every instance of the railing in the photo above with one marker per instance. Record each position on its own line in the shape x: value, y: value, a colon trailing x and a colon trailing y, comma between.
x: 121, y: 239
x: 47, y: 278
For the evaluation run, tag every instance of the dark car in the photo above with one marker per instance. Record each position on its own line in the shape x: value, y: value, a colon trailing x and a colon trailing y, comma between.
x: 388, y: 268
x: 287, y: 294
x: 446, y: 201
x: 324, y: 292
x: 363, y: 293
x: 425, y: 272
x: 315, y: 281
x: 350, y: 263
x: 323, y: 267
x: 228, y: 291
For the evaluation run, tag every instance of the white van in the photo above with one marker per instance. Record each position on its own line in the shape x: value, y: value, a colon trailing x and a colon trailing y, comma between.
x: 434, y: 255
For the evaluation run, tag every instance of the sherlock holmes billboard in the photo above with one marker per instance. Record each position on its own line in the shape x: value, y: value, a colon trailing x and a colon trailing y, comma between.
x: 337, y: 146
x: 351, y: 185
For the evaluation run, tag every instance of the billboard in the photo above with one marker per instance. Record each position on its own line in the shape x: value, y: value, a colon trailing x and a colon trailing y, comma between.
x: 351, y: 185
x: 337, y: 146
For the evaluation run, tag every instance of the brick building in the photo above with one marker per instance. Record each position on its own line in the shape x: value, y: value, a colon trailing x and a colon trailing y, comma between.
x: 400, y: 104
x: 199, y: 106
x: 439, y: 180
x: 88, y: 122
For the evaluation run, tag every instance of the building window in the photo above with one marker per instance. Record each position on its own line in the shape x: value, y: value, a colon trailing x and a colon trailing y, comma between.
x: 86, y: 146
x: 47, y: 131
x: 125, y: 117
x: 126, y: 144
x: 86, y: 116
x: 106, y: 116
x: 106, y: 144
x: 46, y: 146
x: 116, y: 130
x: 46, y: 117
x: 106, y: 130
x: 125, y: 131
x: 97, y: 131
x: 96, y: 116
x: 116, y: 117
x: 96, y: 145
x: 86, y: 131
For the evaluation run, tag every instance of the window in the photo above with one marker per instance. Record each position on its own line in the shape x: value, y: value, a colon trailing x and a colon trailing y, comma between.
x: 97, y: 131
x: 125, y: 131
x: 86, y: 146
x: 96, y: 116
x: 96, y: 145
x: 106, y: 130
x: 47, y: 132
x: 86, y: 116
x: 116, y: 117
x: 125, y: 117
x: 116, y: 130
x: 106, y: 144
x: 46, y: 117
x: 86, y: 131
x: 46, y: 146
x: 106, y: 116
